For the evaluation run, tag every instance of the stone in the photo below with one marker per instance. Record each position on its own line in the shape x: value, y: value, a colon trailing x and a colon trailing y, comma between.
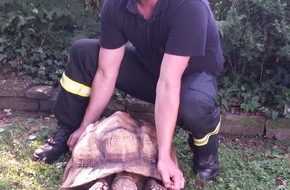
x: 146, y: 116
x: 39, y: 92
x: 135, y: 105
x: 113, y: 106
x: 18, y: 103
x: 14, y: 87
x: 241, y: 130
x: 278, y: 134
x: 46, y: 105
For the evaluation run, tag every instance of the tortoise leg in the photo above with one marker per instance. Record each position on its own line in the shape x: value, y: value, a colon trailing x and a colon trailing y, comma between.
x: 152, y: 184
x: 100, y: 184
x: 124, y: 182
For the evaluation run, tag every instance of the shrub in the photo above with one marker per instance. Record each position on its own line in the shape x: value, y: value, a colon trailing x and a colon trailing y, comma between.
x: 256, y: 37
x: 35, y: 35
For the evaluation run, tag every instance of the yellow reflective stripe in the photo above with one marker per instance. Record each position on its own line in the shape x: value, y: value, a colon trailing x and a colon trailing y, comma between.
x: 74, y: 87
x: 204, y: 140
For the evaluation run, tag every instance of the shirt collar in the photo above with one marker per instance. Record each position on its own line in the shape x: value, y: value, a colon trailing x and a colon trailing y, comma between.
x: 160, y: 5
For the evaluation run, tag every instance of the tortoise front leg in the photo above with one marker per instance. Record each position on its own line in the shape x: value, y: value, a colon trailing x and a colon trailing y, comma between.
x: 101, y: 184
x: 152, y: 184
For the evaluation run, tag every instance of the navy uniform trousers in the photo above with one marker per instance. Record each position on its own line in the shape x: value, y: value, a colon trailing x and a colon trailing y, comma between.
x: 199, y: 113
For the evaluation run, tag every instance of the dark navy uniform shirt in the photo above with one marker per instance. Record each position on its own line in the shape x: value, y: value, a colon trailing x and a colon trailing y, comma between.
x: 178, y: 27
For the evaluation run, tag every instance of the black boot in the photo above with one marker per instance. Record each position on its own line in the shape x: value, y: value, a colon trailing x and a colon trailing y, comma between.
x: 205, y: 158
x: 54, y: 146
x: 207, y: 167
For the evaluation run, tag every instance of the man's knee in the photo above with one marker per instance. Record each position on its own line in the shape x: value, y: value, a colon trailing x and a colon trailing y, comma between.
x: 84, y: 46
x: 199, y: 112
x: 199, y: 115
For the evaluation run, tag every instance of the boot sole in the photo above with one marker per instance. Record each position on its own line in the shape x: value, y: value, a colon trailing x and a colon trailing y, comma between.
x: 47, y: 161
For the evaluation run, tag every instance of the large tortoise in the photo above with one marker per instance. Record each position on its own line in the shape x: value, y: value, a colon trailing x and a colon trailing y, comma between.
x: 117, y: 153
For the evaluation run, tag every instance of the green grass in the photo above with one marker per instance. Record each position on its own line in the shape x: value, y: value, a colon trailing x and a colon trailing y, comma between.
x: 254, y: 122
x: 245, y: 163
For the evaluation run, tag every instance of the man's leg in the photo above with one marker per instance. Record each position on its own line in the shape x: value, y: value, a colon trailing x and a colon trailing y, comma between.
x: 74, y: 92
x: 199, y: 114
x: 72, y: 98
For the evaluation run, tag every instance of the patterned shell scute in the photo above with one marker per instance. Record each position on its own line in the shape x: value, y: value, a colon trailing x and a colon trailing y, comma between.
x: 117, y: 143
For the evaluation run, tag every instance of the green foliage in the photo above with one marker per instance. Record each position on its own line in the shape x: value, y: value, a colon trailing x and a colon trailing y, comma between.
x: 35, y: 35
x: 255, y: 39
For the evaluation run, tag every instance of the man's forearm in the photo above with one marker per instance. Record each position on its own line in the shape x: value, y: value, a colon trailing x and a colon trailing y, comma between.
x: 104, y: 83
x: 166, y: 109
x: 102, y: 90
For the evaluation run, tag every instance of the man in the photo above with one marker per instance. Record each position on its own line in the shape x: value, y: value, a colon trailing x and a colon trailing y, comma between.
x: 173, y: 62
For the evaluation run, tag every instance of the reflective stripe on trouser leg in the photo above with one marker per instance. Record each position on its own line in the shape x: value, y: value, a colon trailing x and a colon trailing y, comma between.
x: 74, y: 93
x: 72, y: 101
x: 203, y: 141
x: 74, y: 87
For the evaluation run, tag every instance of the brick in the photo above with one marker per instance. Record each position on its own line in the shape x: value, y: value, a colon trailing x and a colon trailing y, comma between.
x: 135, y: 105
x: 19, y: 103
x: 39, y: 92
x: 46, y: 105
x: 149, y: 117
x: 14, y: 87
x: 114, y: 106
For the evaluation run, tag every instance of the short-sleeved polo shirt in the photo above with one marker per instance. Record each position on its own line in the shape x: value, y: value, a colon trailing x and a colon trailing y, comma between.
x: 178, y: 27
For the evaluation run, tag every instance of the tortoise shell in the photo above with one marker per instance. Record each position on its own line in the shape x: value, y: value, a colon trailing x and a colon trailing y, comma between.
x: 112, y: 145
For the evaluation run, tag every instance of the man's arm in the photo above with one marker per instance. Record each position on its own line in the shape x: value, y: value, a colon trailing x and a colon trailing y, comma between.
x: 166, y: 110
x: 102, y: 88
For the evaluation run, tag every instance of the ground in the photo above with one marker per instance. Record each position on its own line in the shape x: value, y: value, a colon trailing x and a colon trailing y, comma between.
x: 245, y: 163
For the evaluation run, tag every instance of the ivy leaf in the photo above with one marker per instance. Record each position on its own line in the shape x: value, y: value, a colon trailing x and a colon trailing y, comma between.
x: 275, y: 114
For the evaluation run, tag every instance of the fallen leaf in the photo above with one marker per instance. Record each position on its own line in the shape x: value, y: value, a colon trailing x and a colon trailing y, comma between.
x: 33, y: 128
x: 199, y: 185
x: 2, y: 116
x: 285, y: 156
x: 281, y: 181
x: 8, y: 112
x: 31, y: 137
x: 15, y: 184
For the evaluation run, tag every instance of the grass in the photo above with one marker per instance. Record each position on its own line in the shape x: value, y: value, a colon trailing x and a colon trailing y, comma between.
x: 245, y: 163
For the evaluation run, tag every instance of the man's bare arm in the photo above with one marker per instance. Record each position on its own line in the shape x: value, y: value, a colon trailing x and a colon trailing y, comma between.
x: 103, y: 83
x: 102, y: 88
x: 166, y: 110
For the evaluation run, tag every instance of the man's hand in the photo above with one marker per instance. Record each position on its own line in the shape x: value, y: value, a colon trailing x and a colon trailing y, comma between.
x: 171, y: 175
x: 74, y: 137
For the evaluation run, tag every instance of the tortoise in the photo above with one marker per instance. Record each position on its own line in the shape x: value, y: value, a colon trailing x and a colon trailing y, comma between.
x: 117, y: 153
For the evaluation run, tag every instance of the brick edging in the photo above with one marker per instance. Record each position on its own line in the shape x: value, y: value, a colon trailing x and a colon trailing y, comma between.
x: 22, y: 95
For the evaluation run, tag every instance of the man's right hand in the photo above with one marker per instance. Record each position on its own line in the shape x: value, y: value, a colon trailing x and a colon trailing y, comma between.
x: 171, y: 175
x: 74, y: 137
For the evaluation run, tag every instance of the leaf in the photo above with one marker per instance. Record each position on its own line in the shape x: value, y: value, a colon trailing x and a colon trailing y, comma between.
x: 8, y: 112
x: 199, y: 185
x: 281, y: 181
x: 2, y: 116
x: 285, y: 156
x: 16, y: 184
x: 32, y: 137
x: 275, y: 114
